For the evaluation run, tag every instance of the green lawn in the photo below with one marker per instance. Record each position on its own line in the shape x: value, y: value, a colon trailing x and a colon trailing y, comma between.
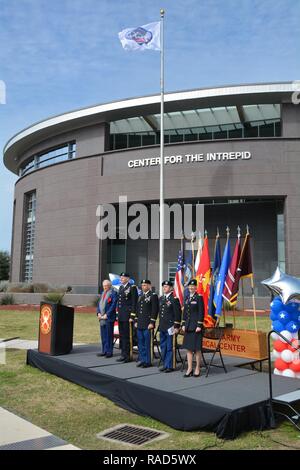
x: 77, y: 415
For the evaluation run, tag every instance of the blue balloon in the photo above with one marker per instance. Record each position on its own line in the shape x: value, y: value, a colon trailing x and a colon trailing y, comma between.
x: 277, y: 305
x: 292, y: 327
x: 274, y: 315
x: 292, y: 307
x: 284, y: 317
x: 295, y: 316
x: 277, y: 326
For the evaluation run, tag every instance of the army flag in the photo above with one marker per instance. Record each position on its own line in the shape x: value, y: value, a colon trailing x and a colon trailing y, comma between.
x: 244, y: 268
x: 214, y: 276
x: 218, y: 297
x: 141, y: 38
x: 232, y: 273
x: 203, y: 278
x: 188, y: 267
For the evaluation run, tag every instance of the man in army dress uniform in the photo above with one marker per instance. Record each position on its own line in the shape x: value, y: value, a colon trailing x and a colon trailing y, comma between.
x: 126, y: 310
x: 169, y: 324
x: 146, y: 315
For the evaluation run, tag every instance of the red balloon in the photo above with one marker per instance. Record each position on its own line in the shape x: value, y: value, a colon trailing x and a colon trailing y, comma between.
x: 279, y: 345
x: 295, y: 343
x: 295, y: 365
x: 281, y: 365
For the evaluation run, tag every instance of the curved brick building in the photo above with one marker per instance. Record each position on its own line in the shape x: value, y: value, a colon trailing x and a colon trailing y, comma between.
x: 233, y: 149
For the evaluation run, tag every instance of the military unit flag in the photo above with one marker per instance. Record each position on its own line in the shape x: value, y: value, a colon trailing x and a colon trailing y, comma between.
x: 141, y: 38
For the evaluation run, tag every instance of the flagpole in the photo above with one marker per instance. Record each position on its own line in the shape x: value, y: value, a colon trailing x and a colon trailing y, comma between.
x: 161, y: 185
x: 252, y: 288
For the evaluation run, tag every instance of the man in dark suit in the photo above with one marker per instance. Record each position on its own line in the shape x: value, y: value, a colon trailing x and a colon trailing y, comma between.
x: 126, y: 310
x: 146, y: 315
x: 106, y: 312
x: 169, y: 324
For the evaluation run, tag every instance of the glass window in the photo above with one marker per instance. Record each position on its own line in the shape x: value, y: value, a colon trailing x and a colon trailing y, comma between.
x: 28, y: 236
x: 59, y: 154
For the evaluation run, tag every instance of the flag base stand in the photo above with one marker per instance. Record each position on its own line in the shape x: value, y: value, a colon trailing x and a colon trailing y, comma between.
x: 241, y: 343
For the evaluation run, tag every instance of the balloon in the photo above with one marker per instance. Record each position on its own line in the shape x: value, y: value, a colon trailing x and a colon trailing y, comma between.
x: 288, y: 373
x: 292, y: 307
x: 292, y: 327
x: 297, y: 375
x: 287, y: 335
x: 276, y: 354
x: 287, y: 355
x: 277, y: 326
x: 278, y: 372
x: 295, y: 335
x: 276, y: 305
x: 274, y: 336
x: 295, y: 365
x: 274, y: 315
x: 295, y: 343
x: 284, y: 317
x: 288, y: 287
x: 281, y: 365
x: 279, y: 345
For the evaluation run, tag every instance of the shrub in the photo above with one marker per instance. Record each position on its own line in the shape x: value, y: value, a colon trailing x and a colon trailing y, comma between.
x: 7, y: 299
x: 39, y: 287
x: 55, y: 297
x: 4, y: 265
x: 4, y: 286
x: 21, y: 287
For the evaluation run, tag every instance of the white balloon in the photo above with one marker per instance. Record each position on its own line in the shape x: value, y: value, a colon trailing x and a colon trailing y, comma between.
x: 276, y: 354
x: 297, y: 375
x: 287, y: 335
x: 274, y: 336
x: 287, y: 355
x: 288, y: 373
x: 295, y: 335
x: 277, y: 372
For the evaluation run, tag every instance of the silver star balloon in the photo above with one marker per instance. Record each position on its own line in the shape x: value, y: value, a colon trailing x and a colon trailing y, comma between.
x: 288, y: 287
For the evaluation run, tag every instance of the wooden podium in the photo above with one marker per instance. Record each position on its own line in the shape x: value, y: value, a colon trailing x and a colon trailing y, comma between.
x: 55, y: 329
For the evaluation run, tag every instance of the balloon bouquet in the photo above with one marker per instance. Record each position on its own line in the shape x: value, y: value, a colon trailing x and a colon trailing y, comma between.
x: 285, y: 316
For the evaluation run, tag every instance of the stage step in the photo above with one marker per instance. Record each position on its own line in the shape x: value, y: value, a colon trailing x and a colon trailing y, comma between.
x: 285, y: 405
x: 288, y: 398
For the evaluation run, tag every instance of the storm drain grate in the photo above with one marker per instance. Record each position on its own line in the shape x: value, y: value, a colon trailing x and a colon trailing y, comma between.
x: 132, y: 435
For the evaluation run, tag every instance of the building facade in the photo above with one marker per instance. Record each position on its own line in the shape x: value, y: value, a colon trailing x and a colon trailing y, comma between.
x: 234, y: 150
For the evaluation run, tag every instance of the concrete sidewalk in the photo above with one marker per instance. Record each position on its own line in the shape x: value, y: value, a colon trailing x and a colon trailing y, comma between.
x: 18, y: 434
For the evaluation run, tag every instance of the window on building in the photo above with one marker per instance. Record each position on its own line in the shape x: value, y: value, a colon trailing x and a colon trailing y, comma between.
x: 172, y: 268
x: 56, y: 155
x: 28, y: 236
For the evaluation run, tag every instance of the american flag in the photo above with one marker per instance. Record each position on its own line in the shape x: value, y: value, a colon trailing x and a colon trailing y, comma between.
x: 179, y: 279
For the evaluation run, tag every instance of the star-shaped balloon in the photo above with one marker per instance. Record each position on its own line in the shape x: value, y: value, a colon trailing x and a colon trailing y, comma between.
x: 288, y: 287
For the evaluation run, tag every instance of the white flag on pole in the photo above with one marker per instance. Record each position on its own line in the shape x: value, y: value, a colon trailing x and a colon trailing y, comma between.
x: 141, y: 38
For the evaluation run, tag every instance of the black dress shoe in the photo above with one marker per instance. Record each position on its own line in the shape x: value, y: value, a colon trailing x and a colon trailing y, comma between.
x: 190, y: 374
x: 127, y: 360
x: 197, y: 375
x: 169, y: 370
x: 101, y: 354
x: 121, y: 359
x: 162, y: 369
x: 140, y: 364
x: 145, y: 366
x: 108, y: 356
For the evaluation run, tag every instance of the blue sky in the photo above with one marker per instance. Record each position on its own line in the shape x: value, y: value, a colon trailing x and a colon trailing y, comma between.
x: 65, y: 54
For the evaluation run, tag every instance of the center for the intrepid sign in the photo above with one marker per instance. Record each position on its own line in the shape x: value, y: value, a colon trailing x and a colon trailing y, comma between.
x: 191, y: 158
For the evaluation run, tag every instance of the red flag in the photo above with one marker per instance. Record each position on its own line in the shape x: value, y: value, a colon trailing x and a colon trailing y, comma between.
x: 232, y: 273
x: 203, y: 278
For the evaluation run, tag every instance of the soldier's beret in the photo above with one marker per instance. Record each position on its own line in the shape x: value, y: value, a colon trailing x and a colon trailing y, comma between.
x: 193, y: 282
x: 167, y: 283
x: 145, y: 281
x: 125, y: 274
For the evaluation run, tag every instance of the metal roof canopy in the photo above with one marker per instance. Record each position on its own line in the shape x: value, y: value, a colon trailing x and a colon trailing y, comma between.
x: 194, y: 118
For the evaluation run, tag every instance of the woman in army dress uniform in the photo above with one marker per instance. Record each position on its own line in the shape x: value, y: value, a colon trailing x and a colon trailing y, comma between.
x: 192, y: 324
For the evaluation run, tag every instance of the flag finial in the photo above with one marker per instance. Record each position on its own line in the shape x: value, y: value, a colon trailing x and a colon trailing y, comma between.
x: 247, y: 229
x: 205, y: 233
x: 218, y: 233
x: 162, y: 12
x: 227, y: 231
x: 239, y: 231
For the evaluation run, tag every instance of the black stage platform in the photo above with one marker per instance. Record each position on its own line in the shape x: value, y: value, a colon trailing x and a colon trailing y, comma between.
x: 227, y: 404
